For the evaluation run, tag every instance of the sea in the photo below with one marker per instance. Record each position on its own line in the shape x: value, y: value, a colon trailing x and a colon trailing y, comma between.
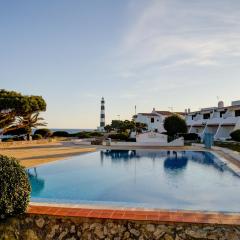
x: 69, y: 130
x: 72, y: 130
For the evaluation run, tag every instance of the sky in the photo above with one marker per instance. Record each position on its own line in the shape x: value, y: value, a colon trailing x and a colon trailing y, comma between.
x: 167, y: 54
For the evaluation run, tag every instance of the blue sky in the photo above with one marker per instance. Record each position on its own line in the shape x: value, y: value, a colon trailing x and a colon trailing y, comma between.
x: 149, y: 53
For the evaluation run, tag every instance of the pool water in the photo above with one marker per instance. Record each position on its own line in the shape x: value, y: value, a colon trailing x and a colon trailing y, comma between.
x: 189, y: 180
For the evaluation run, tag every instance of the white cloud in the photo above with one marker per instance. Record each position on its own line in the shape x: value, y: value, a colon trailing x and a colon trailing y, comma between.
x: 166, y: 37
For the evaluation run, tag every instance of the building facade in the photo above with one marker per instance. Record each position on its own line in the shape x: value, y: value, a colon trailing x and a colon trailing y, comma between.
x: 220, y: 120
x: 155, y: 119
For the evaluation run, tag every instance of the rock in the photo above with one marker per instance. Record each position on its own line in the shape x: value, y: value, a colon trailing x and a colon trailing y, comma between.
x: 72, y: 229
x: 197, y: 233
x: 126, y: 235
x: 53, y: 232
x: 30, y: 235
x: 85, y: 226
x: 158, y: 233
x: 168, y: 237
x: 150, y: 228
x: 72, y: 238
x: 134, y: 232
x: 28, y: 220
x: 105, y: 230
x: 79, y: 234
x: 114, y: 230
x: 99, y: 232
x: 40, y: 222
x: 212, y: 237
x: 63, y: 234
x: 95, y: 225
x: 178, y: 238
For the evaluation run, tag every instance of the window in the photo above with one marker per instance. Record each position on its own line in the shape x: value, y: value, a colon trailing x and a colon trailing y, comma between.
x: 222, y: 113
x: 237, y: 113
x: 206, y: 116
x: 152, y: 120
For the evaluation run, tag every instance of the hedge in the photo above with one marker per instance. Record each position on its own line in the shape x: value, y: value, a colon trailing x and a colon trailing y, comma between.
x: 60, y: 134
x: 189, y: 136
x: 36, y: 137
x: 235, y: 135
x: 119, y: 136
x: 44, y: 132
x: 14, y: 186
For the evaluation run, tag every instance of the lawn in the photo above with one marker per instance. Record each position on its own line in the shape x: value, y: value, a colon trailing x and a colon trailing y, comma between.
x: 230, y: 145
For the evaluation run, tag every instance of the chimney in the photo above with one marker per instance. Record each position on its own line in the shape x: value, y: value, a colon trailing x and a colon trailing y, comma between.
x: 220, y: 104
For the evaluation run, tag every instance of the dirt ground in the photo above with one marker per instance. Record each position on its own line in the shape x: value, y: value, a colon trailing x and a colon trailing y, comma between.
x: 36, y: 154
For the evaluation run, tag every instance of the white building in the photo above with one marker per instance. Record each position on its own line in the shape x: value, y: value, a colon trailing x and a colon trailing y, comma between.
x: 220, y: 121
x: 155, y: 119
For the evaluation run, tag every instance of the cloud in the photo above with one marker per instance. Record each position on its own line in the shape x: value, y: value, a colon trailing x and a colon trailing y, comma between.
x: 166, y: 34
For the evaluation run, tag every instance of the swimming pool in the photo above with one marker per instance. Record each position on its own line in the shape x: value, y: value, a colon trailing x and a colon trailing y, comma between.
x: 189, y: 180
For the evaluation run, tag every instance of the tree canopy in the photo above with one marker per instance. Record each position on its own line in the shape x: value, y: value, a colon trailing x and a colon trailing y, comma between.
x: 15, y: 108
x: 174, y: 125
x: 121, y: 126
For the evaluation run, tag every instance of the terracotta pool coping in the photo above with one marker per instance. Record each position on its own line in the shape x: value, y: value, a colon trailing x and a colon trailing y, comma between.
x: 139, y: 215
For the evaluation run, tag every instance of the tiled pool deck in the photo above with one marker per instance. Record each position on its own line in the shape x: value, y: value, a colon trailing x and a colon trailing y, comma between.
x: 139, y: 215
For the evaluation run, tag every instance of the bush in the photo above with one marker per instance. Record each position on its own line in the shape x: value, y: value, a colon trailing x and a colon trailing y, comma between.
x: 15, y: 187
x: 189, y: 136
x: 44, y: 132
x: 83, y: 135
x: 18, y: 138
x: 95, y: 134
x: 235, y: 135
x: 7, y: 140
x: 36, y: 137
x: 119, y: 136
x: 175, y: 125
x: 60, y: 134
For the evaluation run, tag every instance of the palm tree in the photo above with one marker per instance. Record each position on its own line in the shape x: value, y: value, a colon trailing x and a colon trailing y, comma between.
x: 30, y: 121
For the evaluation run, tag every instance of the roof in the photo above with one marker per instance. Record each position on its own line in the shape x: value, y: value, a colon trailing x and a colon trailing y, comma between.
x: 168, y: 113
x: 165, y: 113
x: 205, y: 110
x: 149, y: 114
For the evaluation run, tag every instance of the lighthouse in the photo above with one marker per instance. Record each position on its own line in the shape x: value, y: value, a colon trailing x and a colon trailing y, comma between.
x: 102, y: 115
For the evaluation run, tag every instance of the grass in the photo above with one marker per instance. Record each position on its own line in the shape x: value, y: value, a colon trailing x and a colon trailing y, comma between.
x: 229, y: 145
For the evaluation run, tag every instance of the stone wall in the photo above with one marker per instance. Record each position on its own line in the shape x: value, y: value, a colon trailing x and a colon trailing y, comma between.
x: 36, y: 227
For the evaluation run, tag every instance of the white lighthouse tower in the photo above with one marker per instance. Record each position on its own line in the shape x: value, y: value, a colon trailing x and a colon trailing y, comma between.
x: 102, y: 115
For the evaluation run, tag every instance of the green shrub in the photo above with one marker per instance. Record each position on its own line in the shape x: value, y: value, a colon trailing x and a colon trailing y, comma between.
x: 95, y: 134
x: 189, y: 136
x: 7, y: 140
x: 235, y: 135
x: 14, y: 186
x: 18, y: 138
x: 36, y: 137
x: 83, y: 135
x: 44, y: 132
x: 119, y: 136
x: 60, y: 134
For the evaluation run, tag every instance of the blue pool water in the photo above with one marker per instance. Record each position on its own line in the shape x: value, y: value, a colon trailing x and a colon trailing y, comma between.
x: 141, y: 178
